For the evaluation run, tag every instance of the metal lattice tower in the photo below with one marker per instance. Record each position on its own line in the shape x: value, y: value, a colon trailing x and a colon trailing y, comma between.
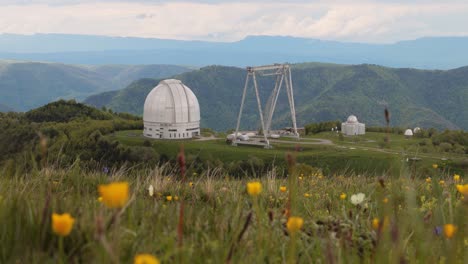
x: 283, y: 75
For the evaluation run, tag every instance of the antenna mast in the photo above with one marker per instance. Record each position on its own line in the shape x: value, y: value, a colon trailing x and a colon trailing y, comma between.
x: 283, y: 75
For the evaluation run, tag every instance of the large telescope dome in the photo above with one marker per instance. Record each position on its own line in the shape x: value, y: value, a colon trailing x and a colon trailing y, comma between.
x: 171, y: 111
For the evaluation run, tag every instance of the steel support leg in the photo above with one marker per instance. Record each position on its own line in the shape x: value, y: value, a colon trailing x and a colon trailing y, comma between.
x: 240, y: 110
x: 260, y: 110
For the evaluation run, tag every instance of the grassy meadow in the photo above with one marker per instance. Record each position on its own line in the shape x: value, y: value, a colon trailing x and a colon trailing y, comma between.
x: 360, y: 155
x: 412, y: 217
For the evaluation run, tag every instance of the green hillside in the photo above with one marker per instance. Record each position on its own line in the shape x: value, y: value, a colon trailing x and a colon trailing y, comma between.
x: 26, y: 85
x: 322, y: 92
x: 66, y: 131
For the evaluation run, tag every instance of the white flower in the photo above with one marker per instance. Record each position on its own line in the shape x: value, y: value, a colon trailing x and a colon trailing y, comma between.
x: 151, y: 190
x: 357, y: 198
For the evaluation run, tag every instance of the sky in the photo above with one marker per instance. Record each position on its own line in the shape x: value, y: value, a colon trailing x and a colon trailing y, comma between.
x: 370, y: 21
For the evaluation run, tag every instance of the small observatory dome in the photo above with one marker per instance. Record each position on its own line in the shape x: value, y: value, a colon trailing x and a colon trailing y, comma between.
x: 416, y: 130
x: 352, y: 119
x: 408, y: 133
x: 171, y: 111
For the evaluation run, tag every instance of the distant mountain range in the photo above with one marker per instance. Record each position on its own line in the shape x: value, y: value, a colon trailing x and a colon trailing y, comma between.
x: 26, y: 85
x: 424, y: 53
x: 425, y: 98
x: 5, y: 108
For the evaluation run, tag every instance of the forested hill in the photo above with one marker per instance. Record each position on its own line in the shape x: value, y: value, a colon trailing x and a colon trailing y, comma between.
x: 26, y: 85
x: 426, y: 98
x: 72, y: 132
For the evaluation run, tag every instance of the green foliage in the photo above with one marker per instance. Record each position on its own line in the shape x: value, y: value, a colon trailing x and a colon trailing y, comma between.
x: 65, y: 111
x: 315, y: 128
x: 69, y: 130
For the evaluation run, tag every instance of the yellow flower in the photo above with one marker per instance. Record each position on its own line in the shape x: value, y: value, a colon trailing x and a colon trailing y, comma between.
x: 294, y: 224
x: 254, y: 188
x: 428, y: 179
x: 385, y: 200
x: 442, y: 182
x: 99, y: 199
x: 435, y: 166
x: 169, y: 198
x: 456, y: 178
x: 114, y: 195
x: 463, y: 189
x: 301, y: 178
x: 191, y: 184
x: 62, y: 224
x: 375, y: 223
x: 343, y: 196
x: 283, y: 189
x: 449, y: 230
x: 306, y: 195
x: 146, y: 259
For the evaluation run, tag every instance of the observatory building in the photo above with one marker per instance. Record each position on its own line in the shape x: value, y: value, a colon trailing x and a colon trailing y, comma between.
x: 408, y: 133
x: 171, y: 111
x: 352, y: 127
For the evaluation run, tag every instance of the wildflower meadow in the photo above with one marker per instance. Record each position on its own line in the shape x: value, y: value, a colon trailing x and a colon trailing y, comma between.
x: 167, y: 215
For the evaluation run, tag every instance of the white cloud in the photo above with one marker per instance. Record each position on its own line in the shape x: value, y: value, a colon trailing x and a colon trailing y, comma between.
x: 365, y: 21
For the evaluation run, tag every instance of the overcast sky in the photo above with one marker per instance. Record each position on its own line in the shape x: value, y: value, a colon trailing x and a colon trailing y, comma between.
x: 343, y: 20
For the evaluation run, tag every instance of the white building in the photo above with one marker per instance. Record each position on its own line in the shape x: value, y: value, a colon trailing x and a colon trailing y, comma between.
x: 171, y: 111
x: 352, y: 127
x: 408, y: 133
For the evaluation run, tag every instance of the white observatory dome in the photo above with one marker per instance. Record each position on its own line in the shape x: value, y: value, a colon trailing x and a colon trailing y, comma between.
x: 408, y: 132
x: 171, y: 111
x: 352, y: 119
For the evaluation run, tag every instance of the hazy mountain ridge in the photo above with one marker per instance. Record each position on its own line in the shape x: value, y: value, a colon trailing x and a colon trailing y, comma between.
x: 425, y: 53
x: 5, y: 108
x: 26, y: 85
x: 322, y: 92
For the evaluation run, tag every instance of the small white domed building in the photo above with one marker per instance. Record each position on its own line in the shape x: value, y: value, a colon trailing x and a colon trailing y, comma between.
x: 352, y: 127
x: 171, y: 111
x: 408, y: 133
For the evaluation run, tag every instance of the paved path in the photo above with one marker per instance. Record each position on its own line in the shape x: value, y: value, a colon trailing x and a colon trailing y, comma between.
x: 212, y: 137
x: 321, y: 141
x: 306, y: 141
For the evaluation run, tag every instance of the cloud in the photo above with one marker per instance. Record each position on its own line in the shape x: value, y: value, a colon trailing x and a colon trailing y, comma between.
x: 364, y: 21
